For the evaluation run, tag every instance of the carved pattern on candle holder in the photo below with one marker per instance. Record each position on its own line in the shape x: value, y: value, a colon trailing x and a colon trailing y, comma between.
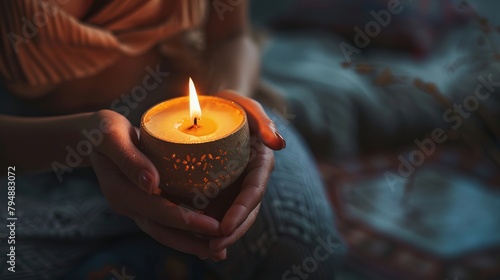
x: 185, y: 167
x: 205, y: 162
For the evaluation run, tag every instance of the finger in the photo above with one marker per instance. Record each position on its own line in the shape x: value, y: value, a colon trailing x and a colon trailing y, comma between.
x: 216, y: 256
x: 120, y: 145
x: 177, y: 239
x: 219, y: 244
x: 126, y: 199
x: 252, y: 190
x: 258, y: 120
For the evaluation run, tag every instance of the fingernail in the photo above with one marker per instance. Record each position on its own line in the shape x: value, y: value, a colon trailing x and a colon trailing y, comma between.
x: 202, y: 258
x: 283, y: 142
x: 224, y: 256
x: 157, y: 191
x: 145, y: 181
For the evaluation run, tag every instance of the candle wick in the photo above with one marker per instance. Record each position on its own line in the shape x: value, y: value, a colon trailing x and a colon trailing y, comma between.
x: 195, y: 124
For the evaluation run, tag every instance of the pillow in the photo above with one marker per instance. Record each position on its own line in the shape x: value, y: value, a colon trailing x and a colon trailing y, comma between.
x: 385, y: 100
x: 402, y: 24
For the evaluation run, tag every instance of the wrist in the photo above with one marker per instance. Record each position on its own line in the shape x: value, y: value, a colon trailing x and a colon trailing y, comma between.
x: 232, y: 65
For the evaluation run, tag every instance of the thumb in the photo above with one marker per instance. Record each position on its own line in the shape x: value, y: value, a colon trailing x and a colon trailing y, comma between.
x: 120, y: 145
x: 258, y: 120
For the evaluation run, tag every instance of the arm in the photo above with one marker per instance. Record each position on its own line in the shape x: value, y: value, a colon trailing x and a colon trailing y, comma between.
x: 63, y: 143
x: 231, y: 51
x: 34, y: 144
x: 233, y: 61
x: 231, y: 65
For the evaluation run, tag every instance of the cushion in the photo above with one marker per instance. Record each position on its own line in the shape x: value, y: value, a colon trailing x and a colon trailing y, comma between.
x: 407, y: 25
x: 384, y: 99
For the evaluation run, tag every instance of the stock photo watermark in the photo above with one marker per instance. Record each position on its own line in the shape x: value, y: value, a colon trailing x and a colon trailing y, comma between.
x: 221, y: 7
x: 372, y: 29
x: 325, y: 249
x: 30, y: 26
x: 94, y: 137
x: 454, y: 116
x: 211, y: 190
x: 121, y: 276
x: 11, y: 218
x: 285, y: 114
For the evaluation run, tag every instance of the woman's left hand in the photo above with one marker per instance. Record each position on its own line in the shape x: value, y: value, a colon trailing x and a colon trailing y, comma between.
x: 243, y: 212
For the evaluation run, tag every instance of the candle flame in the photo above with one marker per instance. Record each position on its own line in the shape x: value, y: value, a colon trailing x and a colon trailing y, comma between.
x: 194, y: 104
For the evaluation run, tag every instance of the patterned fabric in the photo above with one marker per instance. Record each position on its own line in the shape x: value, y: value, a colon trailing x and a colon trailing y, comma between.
x: 438, y: 219
x: 39, y: 31
x: 67, y: 230
x: 295, y: 219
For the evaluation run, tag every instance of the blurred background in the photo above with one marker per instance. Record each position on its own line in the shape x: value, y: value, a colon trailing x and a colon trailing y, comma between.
x: 399, y: 101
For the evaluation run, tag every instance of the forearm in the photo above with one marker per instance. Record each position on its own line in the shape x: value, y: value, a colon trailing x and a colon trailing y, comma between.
x: 35, y: 144
x: 231, y: 60
x: 233, y: 64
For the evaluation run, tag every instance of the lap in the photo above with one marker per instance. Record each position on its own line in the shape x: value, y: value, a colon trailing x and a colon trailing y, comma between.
x: 295, y: 219
x: 294, y: 234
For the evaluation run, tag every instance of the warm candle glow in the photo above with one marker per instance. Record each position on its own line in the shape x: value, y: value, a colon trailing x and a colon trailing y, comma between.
x: 170, y: 120
x: 194, y: 104
x: 196, y: 159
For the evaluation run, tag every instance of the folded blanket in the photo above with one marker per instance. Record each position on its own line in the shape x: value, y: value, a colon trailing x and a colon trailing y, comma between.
x: 381, y: 99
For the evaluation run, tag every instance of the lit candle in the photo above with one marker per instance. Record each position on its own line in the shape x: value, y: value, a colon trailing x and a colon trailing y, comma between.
x: 198, y: 144
x: 185, y: 120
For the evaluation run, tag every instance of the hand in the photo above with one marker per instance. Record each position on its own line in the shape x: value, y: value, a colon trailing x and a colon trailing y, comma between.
x: 243, y: 212
x: 260, y: 124
x: 128, y: 178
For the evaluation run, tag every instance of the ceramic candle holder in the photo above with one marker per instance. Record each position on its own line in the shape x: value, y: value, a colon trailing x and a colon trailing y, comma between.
x: 202, y: 167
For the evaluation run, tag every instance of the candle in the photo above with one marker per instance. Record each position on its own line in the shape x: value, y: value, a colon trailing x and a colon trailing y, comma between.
x: 174, y: 120
x: 200, y: 145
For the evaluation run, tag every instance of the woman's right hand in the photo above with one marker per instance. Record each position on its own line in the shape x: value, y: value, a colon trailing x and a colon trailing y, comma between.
x: 128, y: 180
